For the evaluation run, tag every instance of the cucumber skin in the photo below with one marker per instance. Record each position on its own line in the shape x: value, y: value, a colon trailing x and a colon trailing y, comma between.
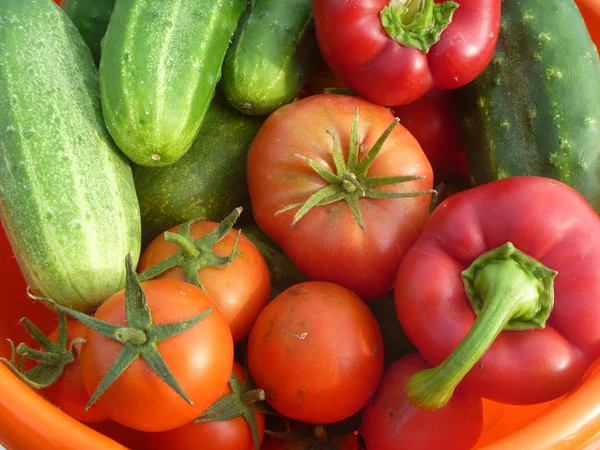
x: 67, y: 199
x: 208, y: 182
x: 91, y: 18
x: 161, y: 61
x: 536, y: 109
x: 271, y: 56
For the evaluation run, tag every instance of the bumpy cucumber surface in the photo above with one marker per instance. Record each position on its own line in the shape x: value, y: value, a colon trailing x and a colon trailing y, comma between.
x: 270, y: 57
x: 536, y: 109
x: 91, y: 18
x: 208, y: 182
x: 67, y: 198
x: 161, y: 61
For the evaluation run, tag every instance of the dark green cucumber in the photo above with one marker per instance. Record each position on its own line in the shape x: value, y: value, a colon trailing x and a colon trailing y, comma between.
x: 536, y: 109
x: 161, y: 61
x: 67, y: 198
x: 91, y: 18
x: 284, y: 273
x: 208, y: 182
x: 269, y: 60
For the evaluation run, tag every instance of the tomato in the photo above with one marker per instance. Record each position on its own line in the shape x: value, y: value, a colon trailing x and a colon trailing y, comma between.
x: 200, y: 359
x: 390, y: 421
x: 317, y: 352
x: 348, y: 442
x: 69, y: 393
x: 357, y: 241
x: 240, y: 290
x: 231, y: 434
x: 432, y: 121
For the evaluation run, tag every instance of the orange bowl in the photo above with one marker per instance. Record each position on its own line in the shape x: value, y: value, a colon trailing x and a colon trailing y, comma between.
x: 29, y: 421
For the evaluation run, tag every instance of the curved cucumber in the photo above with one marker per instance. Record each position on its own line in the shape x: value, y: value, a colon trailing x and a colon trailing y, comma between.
x: 67, y: 198
x: 91, y: 18
x: 536, y: 109
x: 161, y: 61
x: 270, y: 57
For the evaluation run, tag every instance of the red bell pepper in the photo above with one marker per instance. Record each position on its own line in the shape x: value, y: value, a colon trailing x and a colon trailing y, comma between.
x: 392, y: 52
x: 502, y: 291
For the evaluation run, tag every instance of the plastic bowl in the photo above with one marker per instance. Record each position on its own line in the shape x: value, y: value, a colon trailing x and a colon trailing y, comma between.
x: 29, y: 421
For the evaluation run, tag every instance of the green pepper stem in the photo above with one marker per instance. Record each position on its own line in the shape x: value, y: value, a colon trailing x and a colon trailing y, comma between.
x: 514, y: 292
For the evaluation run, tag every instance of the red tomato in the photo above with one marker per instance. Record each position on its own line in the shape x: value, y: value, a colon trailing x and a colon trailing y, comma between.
x: 232, y: 434
x: 327, y: 243
x: 200, y: 360
x: 391, y: 422
x: 240, y: 290
x: 348, y: 442
x: 317, y: 352
x: 68, y: 393
x: 432, y: 121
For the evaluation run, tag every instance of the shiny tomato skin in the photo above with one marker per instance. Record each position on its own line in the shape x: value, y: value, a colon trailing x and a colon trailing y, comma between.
x: 391, y: 422
x: 240, y: 290
x: 69, y: 393
x: 232, y: 434
x: 317, y: 352
x: 200, y: 360
x: 327, y: 243
x: 432, y: 122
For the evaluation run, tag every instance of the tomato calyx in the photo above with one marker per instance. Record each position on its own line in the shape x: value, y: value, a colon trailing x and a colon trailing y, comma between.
x: 509, y: 290
x: 52, y: 359
x: 196, y: 254
x: 139, y: 338
x: 350, y: 182
x: 242, y: 402
x: 417, y: 23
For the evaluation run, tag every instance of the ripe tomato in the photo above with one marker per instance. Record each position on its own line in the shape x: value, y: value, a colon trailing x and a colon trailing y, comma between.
x: 328, y: 243
x: 240, y: 290
x: 69, y: 393
x: 432, y: 121
x: 390, y: 421
x: 200, y: 359
x: 231, y: 434
x: 317, y: 352
x: 348, y: 442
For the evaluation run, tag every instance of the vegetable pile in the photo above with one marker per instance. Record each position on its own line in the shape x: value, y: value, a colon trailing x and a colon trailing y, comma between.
x: 326, y: 224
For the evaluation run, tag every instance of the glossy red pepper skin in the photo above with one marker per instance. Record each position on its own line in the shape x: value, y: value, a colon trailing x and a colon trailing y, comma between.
x: 356, y: 46
x: 543, y: 218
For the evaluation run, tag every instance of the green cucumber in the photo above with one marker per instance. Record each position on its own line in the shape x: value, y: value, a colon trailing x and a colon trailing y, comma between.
x: 284, y: 274
x: 208, y: 182
x: 67, y: 198
x: 536, y: 109
x: 161, y: 61
x: 270, y: 57
x: 91, y: 18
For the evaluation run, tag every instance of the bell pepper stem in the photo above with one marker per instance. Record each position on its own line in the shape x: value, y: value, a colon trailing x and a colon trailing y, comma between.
x: 509, y: 290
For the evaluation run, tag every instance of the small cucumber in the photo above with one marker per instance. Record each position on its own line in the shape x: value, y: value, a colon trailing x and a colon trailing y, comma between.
x: 91, y: 18
x: 208, y: 182
x: 535, y: 110
x: 67, y: 198
x: 270, y: 57
x: 161, y: 61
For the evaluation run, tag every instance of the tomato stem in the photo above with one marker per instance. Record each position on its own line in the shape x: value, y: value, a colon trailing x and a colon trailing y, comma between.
x: 136, y: 337
x: 417, y: 23
x: 508, y: 290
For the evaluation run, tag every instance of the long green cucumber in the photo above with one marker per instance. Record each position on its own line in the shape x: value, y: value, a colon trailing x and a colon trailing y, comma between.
x: 270, y: 57
x: 536, y: 109
x: 91, y: 18
x: 67, y: 198
x: 161, y: 61
x: 208, y: 182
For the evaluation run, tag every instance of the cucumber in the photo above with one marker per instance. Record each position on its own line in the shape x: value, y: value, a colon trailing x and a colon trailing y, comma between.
x: 270, y: 57
x: 208, y: 182
x: 91, y: 18
x: 67, y: 198
x: 535, y: 110
x: 284, y: 274
x: 161, y: 61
